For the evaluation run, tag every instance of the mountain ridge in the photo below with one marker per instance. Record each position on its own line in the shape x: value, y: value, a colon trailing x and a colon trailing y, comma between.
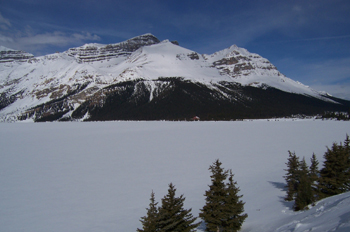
x: 58, y: 86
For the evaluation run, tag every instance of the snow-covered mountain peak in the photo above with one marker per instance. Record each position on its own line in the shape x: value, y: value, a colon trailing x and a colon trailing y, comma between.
x: 167, y: 59
x: 98, y: 52
x: 147, y: 36
x: 10, y: 55
x: 82, y: 75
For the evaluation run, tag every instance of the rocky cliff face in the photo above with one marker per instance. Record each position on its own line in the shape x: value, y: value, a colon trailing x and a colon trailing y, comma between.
x: 146, y: 79
x: 9, y: 55
x: 98, y: 52
x: 236, y: 61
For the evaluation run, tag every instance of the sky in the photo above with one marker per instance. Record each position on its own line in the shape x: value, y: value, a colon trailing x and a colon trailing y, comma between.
x: 308, y: 40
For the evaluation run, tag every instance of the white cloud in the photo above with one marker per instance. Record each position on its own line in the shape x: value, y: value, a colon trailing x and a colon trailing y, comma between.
x: 32, y: 42
x: 331, y: 76
x: 56, y: 38
x: 4, y: 23
x: 336, y: 90
x: 5, y: 39
x: 29, y: 40
x: 328, y: 71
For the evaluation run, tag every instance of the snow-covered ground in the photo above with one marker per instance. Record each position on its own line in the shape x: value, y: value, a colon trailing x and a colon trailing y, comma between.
x: 98, y: 176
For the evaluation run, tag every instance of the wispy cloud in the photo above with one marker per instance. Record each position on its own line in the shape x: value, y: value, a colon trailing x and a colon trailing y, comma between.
x: 332, y: 71
x: 336, y: 90
x: 56, y: 38
x: 29, y: 40
x: 38, y: 42
x: 271, y: 20
x: 331, y: 76
x: 4, y: 23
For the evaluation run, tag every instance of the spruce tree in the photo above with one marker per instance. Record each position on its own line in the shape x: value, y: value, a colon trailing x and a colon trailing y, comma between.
x: 212, y: 212
x: 304, y: 194
x: 172, y: 217
x: 234, y: 207
x: 314, y: 172
x: 292, y: 176
x: 314, y: 175
x: 335, y: 175
x: 223, y: 210
x: 150, y: 221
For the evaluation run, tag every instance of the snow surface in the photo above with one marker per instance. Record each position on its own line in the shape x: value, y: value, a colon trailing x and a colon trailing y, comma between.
x: 98, y: 176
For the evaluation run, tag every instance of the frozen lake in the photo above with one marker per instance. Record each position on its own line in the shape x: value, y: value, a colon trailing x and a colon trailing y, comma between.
x: 98, y: 176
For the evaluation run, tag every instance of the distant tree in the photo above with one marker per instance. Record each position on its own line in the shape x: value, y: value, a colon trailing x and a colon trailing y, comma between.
x: 150, y: 221
x: 172, y: 217
x: 292, y: 176
x: 335, y: 175
x: 223, y: 210
x: 304, y: 194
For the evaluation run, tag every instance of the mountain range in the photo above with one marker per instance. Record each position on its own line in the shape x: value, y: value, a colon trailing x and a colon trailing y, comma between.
x: 144, y: 78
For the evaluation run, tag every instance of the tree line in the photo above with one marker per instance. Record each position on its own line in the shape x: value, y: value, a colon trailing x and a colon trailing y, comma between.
x: 306, y: 185
x: 223, y: 211
x: 343, y: 116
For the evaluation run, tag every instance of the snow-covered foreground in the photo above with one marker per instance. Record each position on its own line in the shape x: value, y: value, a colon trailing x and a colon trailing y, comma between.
x: 99, y: 176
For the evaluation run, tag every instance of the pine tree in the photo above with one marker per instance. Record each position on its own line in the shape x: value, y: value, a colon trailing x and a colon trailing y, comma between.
x: 347, y: 147
x: 292, y: 176
x: 314, y: 172
x: 304, y: 194
x: 234, y: 207
x: 314, y: 175
x: 335, y: 175
x: 212, y: 212
x: 172, y: 217
x: 149, y: 222
x: 223, y: 210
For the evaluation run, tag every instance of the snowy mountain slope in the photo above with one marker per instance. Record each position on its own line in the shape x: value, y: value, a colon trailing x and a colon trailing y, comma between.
x: 252, y: 69
x: 98, y: 176
x: 56, y: 85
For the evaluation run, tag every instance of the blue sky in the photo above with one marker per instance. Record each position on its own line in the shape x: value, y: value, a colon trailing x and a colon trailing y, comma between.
x: 308, y: 40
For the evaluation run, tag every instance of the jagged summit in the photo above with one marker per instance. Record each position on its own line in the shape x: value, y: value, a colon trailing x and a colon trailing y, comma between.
x: 97, y: 52
x: 145, y: 78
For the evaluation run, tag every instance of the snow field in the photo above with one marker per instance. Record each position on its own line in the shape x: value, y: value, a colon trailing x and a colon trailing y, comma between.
x: 98, y: 176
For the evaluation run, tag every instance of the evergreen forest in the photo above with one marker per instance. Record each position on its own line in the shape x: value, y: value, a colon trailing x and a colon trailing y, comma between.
x: 308, y: 184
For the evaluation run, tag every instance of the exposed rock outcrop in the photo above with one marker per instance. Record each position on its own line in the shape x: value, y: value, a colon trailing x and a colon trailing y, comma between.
x: 9, y: 55
x: 98, y: 52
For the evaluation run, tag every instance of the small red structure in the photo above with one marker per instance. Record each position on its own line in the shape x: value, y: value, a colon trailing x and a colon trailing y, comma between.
x: 195, y: 118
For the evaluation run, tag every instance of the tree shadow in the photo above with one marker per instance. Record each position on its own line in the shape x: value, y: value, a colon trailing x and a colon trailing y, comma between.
x: 282, y: 186
x: 344, y: 220
x: 278, y: 185
x: 287, y: 204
